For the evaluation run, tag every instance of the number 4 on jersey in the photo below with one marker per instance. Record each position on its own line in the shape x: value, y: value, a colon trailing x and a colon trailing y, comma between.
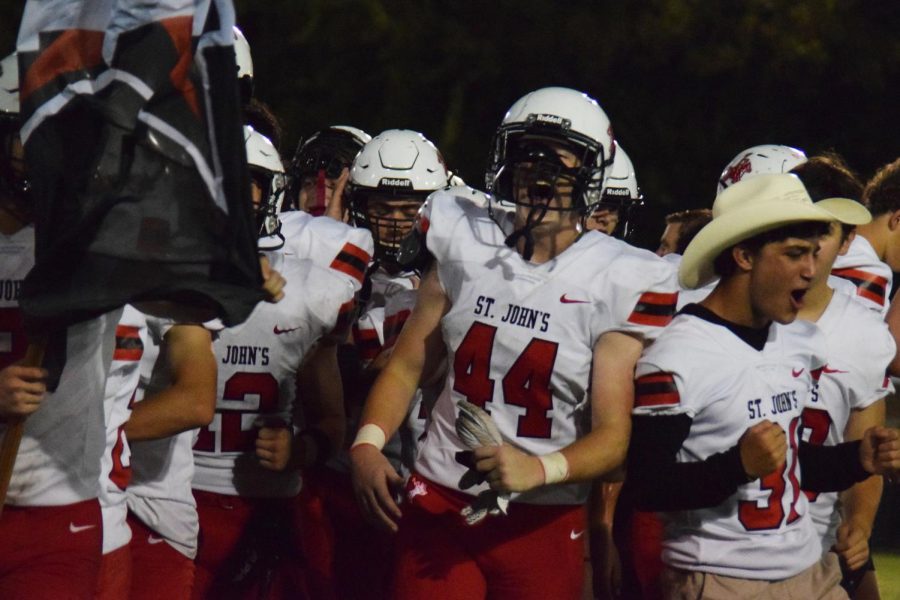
x: 526, y: 384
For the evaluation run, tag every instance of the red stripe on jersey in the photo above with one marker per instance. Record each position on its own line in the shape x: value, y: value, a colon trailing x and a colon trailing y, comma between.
x: 868, y: 285
x: 392, y: 327
x: 656, y: 389
x: 351, y: 260
x: 654, y: 309
x: 367, y: 343
x: 346, y: 316
x: 128, y: 343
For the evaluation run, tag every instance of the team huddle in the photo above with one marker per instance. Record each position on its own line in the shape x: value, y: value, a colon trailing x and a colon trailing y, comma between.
x: 456, y: 392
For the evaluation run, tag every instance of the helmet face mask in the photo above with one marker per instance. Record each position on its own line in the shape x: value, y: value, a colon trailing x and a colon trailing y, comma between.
x: 562, y: 118
x: 268, y: 181
x: 319, y: 162
x: 389, y: 181
x: 389, y: 217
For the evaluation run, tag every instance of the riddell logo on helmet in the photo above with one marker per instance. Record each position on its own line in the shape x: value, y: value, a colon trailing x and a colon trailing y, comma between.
x: 550, y: 120
x: 393, y: 182
x: 617, y: 191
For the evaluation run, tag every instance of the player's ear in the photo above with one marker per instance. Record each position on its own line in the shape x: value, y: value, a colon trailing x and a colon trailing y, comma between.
x: 743, y: 257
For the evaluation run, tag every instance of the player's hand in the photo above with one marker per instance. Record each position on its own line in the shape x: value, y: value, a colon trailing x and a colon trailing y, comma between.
x: 879, y: 452
x: 374, y: 483
x: 273, y: 447
x: 508, y: 469
x: 273, y: 282
x: 335, y: 208
x: 763, y: 449
x: 852, y: 544
x: 22, y: 390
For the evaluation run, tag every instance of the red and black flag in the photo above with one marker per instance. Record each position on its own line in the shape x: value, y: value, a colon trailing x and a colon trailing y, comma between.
x: 132, y: 131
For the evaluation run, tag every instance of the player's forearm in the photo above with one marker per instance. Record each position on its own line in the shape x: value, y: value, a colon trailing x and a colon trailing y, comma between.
x: 170, y: 412
x: 388, y: 401
x: 860, y: 503
x: 830, y: 468
x: 658, y: 482
x: 599, y: 452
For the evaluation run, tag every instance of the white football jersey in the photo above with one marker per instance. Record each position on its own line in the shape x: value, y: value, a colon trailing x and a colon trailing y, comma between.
x: 326, y: 242
x: 160, y: 490
x: 686, y: 296
x: 16, y: 259
x: 703, y: 370
x: 520, y: 336
x: 859, y: 349
x: 121, y: 388
x: 63, y: 441
x: 872, y: 277
x: 257, y: 363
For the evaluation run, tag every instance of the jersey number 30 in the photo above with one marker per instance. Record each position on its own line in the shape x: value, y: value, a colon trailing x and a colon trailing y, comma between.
x: 526, y: 384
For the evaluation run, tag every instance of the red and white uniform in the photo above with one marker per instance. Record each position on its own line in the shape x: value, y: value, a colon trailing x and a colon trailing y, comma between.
x: 121, y: 388
x: 763, y: 530
x: 688, y: 296
x: 159, y: 494
x: 520, y: 337
x: 872, y: 277
x: 257, y: 366
x: 859, y: 349
x: 326, y: 242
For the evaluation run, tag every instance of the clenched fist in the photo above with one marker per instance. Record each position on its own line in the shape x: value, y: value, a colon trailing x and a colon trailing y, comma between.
x: 763, y: 449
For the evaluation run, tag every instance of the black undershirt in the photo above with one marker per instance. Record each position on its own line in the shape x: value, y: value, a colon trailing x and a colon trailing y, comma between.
x: 656, y: 481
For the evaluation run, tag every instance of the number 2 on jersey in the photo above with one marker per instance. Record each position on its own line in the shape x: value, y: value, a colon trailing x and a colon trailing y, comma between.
x: 240, y: 387
x: 526, y: 384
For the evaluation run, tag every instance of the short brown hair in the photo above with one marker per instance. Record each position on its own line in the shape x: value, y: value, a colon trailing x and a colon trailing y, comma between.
x: 882, y: 194
x: 692, y: 221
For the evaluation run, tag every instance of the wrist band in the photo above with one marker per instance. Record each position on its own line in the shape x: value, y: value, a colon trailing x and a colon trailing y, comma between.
x: 370, y: 433
x: 556, y: 467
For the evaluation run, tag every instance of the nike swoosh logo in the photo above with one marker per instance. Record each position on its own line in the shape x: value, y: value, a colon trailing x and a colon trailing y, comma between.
x: 79, y: 528
x: 574, y: 535
x: 565, y: 300
x: 151, y: 539
x: 280, y: 331
x: 796, y: 373
x: 827, y: 370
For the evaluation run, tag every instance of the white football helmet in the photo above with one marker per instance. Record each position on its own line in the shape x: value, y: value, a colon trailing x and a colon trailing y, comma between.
x: 767, y: 159
x: 397, y: 164
x: 621, y: 194
x: 561, y: 115
x: 267, y: 171
x: 244, y: 64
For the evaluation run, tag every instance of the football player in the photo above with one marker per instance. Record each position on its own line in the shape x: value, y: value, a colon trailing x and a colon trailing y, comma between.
x: 267, y: 427
x: 681, y: 227
x: 852, y: 387
x: 388, y: 183
x: 541, y: 326
x: 51, y: 515
x: 875, y: 251
x: 718, y: 405
x: 321, y: 165
x: 621, y: 196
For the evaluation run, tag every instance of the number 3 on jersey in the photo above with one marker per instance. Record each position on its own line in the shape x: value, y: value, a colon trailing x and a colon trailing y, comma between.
x: 526, y: 384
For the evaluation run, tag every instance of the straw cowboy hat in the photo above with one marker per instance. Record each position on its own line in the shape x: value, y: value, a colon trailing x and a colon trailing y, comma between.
x: 751, y: 207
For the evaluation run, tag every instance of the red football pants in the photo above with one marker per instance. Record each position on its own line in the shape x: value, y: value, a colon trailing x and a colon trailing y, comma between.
x: 346, y: 557
x: 158, y: 569
x: 249, y: 548
x: 50, y: 552
x: 535, y: 552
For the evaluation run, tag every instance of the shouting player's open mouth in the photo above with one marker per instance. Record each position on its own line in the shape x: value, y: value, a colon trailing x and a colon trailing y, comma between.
x: 797, y: 297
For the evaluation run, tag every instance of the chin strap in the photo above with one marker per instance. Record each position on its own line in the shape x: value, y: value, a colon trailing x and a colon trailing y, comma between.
x: 535, y: 216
